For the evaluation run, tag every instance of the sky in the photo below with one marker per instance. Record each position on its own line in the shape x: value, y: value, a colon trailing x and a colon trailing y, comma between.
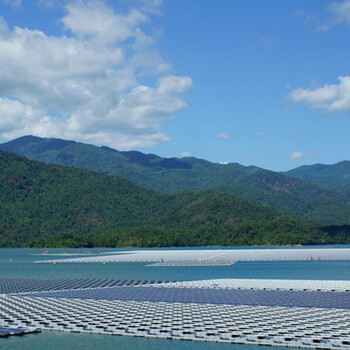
x: 264, y: 83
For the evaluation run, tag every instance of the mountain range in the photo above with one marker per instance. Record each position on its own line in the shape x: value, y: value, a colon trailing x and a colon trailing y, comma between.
x: 318, y: 193
x: 48, y: 205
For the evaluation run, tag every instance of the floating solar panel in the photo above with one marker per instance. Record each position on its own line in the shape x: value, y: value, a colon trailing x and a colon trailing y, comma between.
x: 260, y: 325
x: 214, y: 310
x: 7, y: 331
x: 338, y: 300
x: 23, y: 285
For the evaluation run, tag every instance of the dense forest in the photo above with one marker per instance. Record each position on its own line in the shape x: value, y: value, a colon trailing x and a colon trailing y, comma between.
x: 45, y: 205
x: 318, y: 193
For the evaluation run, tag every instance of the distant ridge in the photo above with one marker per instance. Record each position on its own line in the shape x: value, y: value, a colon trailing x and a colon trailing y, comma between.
x: 338, y: 173
x: 304, y: 192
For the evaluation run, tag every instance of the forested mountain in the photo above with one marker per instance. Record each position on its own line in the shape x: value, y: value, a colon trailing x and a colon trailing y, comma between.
x: 52, y: 205
x: 326, y: 204
x: 337, y: 173
x: 334, y: 178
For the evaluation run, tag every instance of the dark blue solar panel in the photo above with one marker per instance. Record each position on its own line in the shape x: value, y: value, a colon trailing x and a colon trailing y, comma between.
x: 339, y: 300
x: 4, y: 331
x: 21, y: 285
x: 15, y: 330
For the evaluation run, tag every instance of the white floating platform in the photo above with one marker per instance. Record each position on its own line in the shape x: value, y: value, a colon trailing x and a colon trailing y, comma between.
x: 194, y: 263
x: 228, y: 283
x: 209, y: 255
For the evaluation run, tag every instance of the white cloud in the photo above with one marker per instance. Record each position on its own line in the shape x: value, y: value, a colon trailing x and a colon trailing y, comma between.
x: 185, y: 154
x: 99, y: 23
x: 296, y: 155
x: 337, y: 12
x: 330, y: 98
x: 259, y: 134
x: 86, y: 86
x: 302, y: 155
x: 341, y: 10
x: 223, y: 136
x: 4, y: 30
x: 174, y: 84
x: 151, y: 6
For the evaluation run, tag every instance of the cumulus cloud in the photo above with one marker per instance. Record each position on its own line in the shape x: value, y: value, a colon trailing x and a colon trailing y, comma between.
x: 99, y: 23
x: 302, y: 155
x: 150, y: 6
x: 330, y: 98
x: 296, y: 155
x: 4, y: 30
x: 85, y: 83
x: 185, y: 154
x: 223, y: 136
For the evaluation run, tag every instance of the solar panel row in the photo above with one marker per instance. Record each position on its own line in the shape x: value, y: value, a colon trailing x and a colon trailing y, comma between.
x: 23, y: 285
x: 339, y: 300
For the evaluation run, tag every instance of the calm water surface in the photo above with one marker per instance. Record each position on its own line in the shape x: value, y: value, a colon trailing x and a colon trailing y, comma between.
x: 20, y: 263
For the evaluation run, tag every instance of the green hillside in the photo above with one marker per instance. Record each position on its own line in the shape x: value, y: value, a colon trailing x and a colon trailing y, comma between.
x: 51, y: 205
x: 337, y: 173
x: 335, y: 178
x: 327, y: 205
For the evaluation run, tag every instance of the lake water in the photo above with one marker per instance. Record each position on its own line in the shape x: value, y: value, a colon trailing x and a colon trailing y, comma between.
x: 20, y: 263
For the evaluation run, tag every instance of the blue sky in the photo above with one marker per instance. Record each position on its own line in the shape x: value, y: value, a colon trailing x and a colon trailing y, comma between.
x: 263, y: 83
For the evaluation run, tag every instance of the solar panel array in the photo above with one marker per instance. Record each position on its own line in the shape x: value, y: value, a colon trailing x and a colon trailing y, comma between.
x: 230, y: 311
x: 259, y: 325
x: 338, y: 300
x: 23, y: 285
